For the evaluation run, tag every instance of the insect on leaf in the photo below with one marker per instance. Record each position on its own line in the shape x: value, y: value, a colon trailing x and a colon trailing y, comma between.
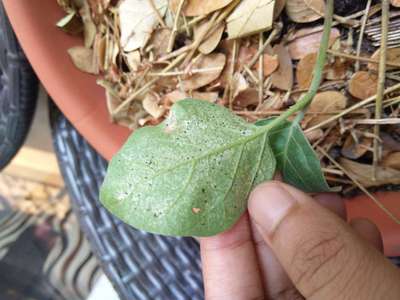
x: 190, y: 175
x: 295, y: 157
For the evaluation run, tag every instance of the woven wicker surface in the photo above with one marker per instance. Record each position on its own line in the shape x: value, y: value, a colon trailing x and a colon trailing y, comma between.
x: 140, y: 265
x: 18, y: 92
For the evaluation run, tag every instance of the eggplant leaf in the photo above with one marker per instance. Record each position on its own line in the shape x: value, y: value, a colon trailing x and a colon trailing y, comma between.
x: 295, y: 157
x: 191, y: 175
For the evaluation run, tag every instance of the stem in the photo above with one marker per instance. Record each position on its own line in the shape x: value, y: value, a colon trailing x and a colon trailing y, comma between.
x: 216, y: 19
x: 260, y: 70
x: 229, y: 90
x: 364, y: 59
x: 381, y: 81
x: 199, y: 39
x: 175, y: 28
x: 261, y: 49
x: 360, y: 39
x: 159, y: 17
x: 317, y: 78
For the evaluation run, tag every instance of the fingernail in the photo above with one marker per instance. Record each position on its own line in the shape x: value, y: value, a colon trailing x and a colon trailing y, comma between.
x: 269, y: 204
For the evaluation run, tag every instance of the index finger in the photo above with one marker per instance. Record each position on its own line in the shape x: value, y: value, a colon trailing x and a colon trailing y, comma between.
x: 230, y: 265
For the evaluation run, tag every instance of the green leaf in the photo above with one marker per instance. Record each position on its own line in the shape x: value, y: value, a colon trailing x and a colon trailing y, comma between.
x: 191, y: 175
x: 295, y: 157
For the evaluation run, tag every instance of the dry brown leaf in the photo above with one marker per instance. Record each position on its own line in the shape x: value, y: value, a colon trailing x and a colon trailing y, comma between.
x: 83, y: 59
x: 174, y: 97
x: 282, y: 78
x: 307, y: 43
x: 392, y: 161
x: 395, y: 3
x: 89, y: 28
x: 169, y: 82
x: 314, y: 135
x: 354, y: 150
x: 150, y: 105
x: 215, y: 62
x: 304, y: 11
x: 112, y: 102
x: 149, y: 121
x: 365, y: 173
x: 159, y: 41
x: 337, y: 70
x: 304, y: 70
x: 99, y: 49
x: 211, y: 42
x: 279, y: 6
x: 178, y: 95
x: 65, y: 5
x: 363, y: 85
x: 194, y: 8
x: 250, y: 16
x: 113, y: 51
x: 277, y: 102
x: 133, y: 60
x: 389, y: 143
x: 325, y: 102
x: 271, y: 64
x: 392, y: 55
x: 244, y: 57
x: 206, y: 96
x: 246, y: 98
x: 239, y: 84
x: 137, y: 21
x: 246, y: 53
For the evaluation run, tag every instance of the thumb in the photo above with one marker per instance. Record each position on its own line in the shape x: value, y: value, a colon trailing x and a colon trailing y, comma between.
x: 321, y: 254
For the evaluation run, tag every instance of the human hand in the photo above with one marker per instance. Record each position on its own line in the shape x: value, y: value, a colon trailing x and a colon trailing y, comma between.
x: 289, y: 246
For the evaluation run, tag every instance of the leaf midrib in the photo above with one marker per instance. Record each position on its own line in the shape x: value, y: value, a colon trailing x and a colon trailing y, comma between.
x: 238, y: 142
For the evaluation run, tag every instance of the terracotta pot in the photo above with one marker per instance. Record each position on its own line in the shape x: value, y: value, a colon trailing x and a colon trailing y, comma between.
x: 83, y: 102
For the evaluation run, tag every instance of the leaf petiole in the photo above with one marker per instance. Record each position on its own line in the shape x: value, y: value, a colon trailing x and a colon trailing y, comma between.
x: 317, y: 78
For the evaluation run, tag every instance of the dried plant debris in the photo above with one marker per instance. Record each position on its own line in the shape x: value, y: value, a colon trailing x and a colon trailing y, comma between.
x: 150, y: 54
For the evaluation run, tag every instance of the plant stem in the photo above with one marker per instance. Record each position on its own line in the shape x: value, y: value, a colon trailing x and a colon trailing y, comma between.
x: 175, y: 28
x: 364, y: 59
x: 261, y: 49
x: 260, y: 70
x: 360, y: 39
x: 381, y: 81
x: 159, y: 17
x: 317, y: 74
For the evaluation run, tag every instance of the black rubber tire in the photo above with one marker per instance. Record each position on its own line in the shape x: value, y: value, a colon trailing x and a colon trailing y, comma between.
x: 140, y: 265
x: 18, y: 92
